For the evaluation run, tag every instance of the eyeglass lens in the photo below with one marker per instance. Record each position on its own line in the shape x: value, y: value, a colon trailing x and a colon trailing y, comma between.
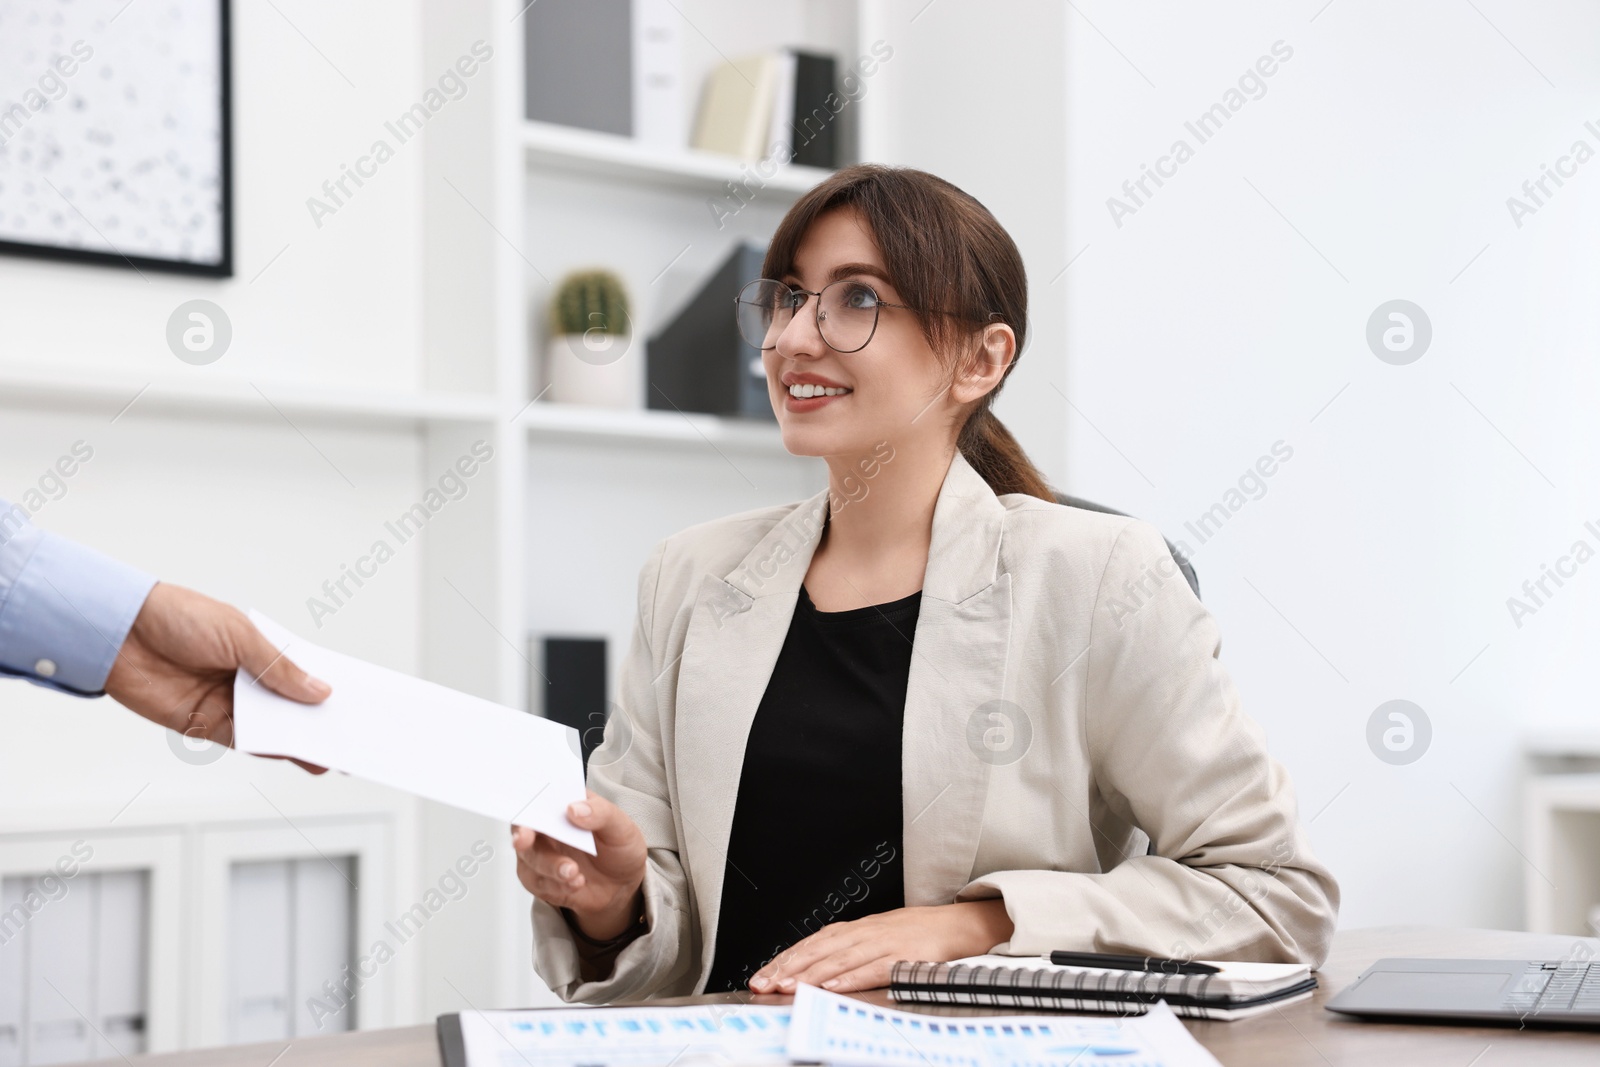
x: 847, y: 313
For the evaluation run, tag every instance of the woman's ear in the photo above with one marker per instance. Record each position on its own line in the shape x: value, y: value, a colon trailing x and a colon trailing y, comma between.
x: 985, y: 368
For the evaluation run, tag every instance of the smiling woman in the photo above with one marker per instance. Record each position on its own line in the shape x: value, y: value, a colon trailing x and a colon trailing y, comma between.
x: 812, y: 689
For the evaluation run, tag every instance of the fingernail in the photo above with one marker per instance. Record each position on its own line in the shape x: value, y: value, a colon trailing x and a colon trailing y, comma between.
x: 786, y: 984
x: 760, y: 984
x: 568, y: 870
x: 581, y: 809
x: 319, y: 687
x: 830, y: 983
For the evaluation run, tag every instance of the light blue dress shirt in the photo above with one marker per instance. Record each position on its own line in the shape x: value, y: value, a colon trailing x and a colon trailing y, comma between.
x: 64, y: 609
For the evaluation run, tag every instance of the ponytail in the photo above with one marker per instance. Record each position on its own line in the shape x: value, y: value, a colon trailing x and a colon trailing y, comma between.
x: 988, y: 446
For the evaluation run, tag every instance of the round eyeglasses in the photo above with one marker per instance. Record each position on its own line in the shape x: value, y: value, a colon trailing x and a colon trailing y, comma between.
x: 847, y: 312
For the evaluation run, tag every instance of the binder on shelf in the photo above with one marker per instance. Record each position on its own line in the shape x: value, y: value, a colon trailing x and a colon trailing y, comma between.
x: 699, y: 362
x: 659, y: 112
x: 580, y: 64
x: 614, y: 66
x: 811, y: 127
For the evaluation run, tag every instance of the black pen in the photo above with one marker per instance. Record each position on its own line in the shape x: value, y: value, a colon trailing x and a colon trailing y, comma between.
x: 1132, y: 963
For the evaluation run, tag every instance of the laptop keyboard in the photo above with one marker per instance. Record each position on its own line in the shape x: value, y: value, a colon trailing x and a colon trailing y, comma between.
x: 1569, y: 987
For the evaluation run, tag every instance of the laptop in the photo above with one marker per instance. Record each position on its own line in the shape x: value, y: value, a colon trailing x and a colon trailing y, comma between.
x: 1563, y: 993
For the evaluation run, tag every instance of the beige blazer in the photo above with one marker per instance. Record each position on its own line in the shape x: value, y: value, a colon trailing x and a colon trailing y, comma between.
x: 1065, y: 708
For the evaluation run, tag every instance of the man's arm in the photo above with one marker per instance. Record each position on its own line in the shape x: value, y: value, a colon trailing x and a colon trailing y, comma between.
x: 81, y: 622
x: 65, y: 609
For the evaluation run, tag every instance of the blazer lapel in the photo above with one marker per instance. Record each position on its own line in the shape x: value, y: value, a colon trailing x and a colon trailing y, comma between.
x: 735, y: 633
x: 958, y: 672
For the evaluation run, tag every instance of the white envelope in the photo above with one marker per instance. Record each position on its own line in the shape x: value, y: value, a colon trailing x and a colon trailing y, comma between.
x: 417, y: 736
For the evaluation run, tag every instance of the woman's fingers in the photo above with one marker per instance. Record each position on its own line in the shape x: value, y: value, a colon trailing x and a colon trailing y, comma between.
x: 609, y: 824
x: 796, y: 961
x: 826, y: 968
x: 871, y: 975
x: 545, y: 866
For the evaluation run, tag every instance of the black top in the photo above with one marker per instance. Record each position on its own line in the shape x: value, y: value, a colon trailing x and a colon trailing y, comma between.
x: 816, y: 828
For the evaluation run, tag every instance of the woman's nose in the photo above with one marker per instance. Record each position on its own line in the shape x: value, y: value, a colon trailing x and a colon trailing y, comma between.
x: 801, y: 339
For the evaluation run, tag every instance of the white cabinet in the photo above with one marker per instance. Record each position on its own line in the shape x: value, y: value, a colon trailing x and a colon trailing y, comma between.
x: 73, y: 964
x: 290, y: 934
x: 159, y: 938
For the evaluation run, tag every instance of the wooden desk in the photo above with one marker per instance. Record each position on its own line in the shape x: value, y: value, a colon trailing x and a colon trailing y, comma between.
x: 1300, y: 1034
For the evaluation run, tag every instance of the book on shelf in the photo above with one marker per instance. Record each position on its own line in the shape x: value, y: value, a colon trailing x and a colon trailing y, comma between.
x: 1238, y: 989
x: 771, y: 104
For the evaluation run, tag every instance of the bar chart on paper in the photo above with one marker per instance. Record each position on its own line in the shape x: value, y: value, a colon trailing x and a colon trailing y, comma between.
x: 827, y: 1028
x: 626, y: 1037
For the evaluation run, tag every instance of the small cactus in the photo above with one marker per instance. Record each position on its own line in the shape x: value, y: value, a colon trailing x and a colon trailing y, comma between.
x: 589, y: 300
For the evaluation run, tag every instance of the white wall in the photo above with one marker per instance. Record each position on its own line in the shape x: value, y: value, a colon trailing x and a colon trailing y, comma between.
x: 339, y: 303
x: 1230, y: 310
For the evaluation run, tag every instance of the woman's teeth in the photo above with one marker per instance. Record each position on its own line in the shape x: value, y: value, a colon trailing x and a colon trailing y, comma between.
x: 804, y: 391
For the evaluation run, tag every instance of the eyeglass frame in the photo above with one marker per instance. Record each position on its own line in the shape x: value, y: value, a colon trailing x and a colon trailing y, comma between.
x: 817, y: 314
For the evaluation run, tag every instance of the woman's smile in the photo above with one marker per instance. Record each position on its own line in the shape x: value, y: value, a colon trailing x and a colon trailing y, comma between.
x: 809, y: 392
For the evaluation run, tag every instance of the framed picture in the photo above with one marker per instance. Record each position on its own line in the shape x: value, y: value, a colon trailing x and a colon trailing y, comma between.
x: 115, y: 138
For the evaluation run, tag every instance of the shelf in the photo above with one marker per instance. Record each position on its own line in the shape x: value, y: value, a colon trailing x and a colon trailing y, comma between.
x: 603, y: 155
x: 267, y: 401
x: 574, y: 422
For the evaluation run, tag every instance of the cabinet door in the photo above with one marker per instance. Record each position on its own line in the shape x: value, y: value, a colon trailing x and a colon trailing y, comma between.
x: 291, y: 925
x: 73, y: 964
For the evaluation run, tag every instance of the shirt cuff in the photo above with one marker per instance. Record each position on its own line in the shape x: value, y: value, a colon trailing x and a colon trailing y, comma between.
x: 66, y: 615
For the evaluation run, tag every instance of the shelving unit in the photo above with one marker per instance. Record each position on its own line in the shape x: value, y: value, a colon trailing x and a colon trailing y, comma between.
x: 570, y: 423
x: 588, y: 154
x: 582, y: 493
x: 237, y: 399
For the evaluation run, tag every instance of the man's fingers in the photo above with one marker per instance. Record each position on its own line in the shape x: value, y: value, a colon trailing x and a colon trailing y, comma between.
x: 271, y: 668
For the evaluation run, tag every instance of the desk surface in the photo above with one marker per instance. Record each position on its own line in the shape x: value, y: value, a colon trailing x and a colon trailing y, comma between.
x: 1299, y: 1034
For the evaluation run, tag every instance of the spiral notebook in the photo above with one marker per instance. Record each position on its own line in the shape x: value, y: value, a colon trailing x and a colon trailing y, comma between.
x: 1237, y: 991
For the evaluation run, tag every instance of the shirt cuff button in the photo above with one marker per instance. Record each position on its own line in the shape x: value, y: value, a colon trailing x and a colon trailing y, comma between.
x: 45, y: 668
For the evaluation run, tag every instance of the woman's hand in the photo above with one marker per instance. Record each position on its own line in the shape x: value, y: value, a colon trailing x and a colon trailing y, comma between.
x: 601, y: 891
x: 858, y: 955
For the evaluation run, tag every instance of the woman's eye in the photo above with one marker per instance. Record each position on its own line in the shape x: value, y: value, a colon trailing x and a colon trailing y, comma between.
x: 859, y: 296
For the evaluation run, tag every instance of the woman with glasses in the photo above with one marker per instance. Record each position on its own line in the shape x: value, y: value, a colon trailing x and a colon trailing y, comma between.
x: 929, y: 713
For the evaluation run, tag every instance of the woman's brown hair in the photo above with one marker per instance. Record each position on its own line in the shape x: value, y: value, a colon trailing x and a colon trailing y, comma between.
x: 943, y: 249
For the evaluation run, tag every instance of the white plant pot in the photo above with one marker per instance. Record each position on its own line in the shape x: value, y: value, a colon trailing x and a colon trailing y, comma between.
x: 594, y: 368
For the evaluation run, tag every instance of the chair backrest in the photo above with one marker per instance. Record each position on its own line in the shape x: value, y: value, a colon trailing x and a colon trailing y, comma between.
x: 1183, y: 564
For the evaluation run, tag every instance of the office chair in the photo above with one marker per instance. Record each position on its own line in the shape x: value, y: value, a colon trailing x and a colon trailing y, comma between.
x: 1183, y: 564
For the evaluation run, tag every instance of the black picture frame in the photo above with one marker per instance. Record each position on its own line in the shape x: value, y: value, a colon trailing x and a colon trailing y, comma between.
x: 222, y: 267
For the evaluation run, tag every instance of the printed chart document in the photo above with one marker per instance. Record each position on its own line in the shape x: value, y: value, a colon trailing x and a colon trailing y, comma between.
x: 828, y: 1028
x: 627, y: 1037
x: 424, y: 738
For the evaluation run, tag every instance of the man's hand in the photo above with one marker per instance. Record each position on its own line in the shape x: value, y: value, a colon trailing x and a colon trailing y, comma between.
x: 844, y: 957
x: 177, y: 664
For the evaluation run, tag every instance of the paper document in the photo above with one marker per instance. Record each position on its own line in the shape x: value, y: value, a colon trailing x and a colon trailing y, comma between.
x: 417, y: 736
x: 743, y: 1034
x: 828, y: 1028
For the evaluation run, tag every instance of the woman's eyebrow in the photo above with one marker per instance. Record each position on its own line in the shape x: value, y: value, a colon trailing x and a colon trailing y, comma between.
x: 845, y: 270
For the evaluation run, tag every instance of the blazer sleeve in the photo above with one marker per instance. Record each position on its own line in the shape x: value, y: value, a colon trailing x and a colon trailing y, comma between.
x: 628, y: 768
x: 1231, y: 874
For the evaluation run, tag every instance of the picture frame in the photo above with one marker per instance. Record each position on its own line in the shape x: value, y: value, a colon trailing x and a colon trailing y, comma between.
x: 116, y: 138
